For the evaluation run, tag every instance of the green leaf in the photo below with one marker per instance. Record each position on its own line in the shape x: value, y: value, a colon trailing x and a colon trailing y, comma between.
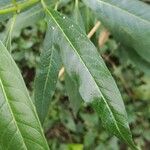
x: 76, y: 16
x: 138, y: 61
x: 67, y: 119
x: 89, y: 139
x: 19, y: 124
x: 142, y: 91
x: 46, y: 78
x: 73, y: 93
x: 8, y: 34
x: 88, y: 18
x: 128, y: 20
x: 95, y: 83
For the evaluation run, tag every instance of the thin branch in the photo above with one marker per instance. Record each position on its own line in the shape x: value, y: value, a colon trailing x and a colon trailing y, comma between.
x: 61, y: 72
x: 103, y: 38
x: 94, y: 29
x: 21, y: 6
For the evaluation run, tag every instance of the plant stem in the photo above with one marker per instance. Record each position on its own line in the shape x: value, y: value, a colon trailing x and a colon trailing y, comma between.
x: 21, y: 6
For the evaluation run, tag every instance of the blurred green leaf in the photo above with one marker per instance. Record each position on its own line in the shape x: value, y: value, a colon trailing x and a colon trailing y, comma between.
x: 8, y: 34
x: 89, y: 139
x: 67, y: 120
x: 142, y: 91
x: 74, y: 95
x: 128, y: 21
x: 76, y: 16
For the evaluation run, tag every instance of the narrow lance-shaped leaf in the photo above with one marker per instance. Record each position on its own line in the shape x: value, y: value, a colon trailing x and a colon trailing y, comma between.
x: 19, y: 124
x: 47, y: 74
x: 85, y: 67
x: 88, y: 18
x: 128, y: 20
x: 8, y: 34
x: 76, y: 16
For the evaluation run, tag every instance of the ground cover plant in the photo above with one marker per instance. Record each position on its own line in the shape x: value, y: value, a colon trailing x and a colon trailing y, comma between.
x: 73, y: 56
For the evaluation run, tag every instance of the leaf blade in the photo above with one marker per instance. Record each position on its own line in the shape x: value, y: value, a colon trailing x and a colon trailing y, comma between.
x: 84, y: 65
x: 76, y: 15
x: 126, y: 22
x: 8, y: 35
x: 46, y: 78
x: 17, y: 112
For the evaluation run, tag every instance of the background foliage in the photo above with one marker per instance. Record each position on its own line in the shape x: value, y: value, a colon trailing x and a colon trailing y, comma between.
x: 65, y: 129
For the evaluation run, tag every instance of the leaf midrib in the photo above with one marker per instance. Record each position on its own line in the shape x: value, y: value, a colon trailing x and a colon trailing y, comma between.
x: 123, y: 10
x: 111, y: 112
